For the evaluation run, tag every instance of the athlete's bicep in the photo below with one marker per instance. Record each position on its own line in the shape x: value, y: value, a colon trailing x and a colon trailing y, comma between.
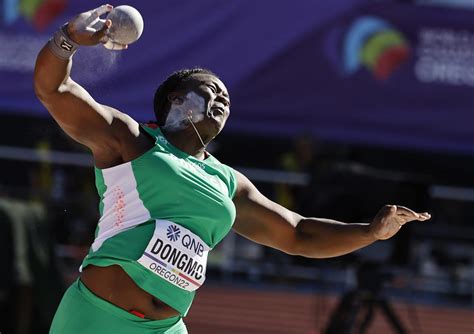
x: 79, y: 115
x: 76, y: 112
x: 262, y: 220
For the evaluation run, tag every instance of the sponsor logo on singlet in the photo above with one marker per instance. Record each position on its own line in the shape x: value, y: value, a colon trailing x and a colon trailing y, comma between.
x: 177, y: 255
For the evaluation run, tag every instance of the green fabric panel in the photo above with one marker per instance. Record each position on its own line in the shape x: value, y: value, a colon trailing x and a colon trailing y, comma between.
x: 82, y: 312
x: 178, y: 187
x: 101, y: 188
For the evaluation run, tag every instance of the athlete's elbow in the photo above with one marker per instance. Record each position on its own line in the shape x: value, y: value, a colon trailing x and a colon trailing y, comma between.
x: 294, y: 247
x: 42, y: 91
x: 310, y: 246
x: 46, y: 89
x: 299, y: 250
x: 313, y: 252
x: 46, y: 94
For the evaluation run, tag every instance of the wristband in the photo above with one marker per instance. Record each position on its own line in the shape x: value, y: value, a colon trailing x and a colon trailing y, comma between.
x: 61, y: 45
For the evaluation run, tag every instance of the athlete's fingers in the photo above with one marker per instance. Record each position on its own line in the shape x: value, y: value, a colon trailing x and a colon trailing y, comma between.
x: 407, y: 212
x: 425, y: 215
x: 100, y: 34
x: 90, y: 29
x: 96, y: 13
x: 111, y: 45
x: 104, y: 9
x: 409, y: 217
x: 99, y: 24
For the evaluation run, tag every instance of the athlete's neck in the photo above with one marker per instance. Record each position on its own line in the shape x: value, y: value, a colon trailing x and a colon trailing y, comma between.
x: 187, y: 141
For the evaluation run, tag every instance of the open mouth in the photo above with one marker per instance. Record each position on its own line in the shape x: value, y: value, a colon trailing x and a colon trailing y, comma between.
x: 217, y: 111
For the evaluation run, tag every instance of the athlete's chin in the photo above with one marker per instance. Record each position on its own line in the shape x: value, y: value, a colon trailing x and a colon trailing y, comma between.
x: 210, y: 127
x: 215, y: 125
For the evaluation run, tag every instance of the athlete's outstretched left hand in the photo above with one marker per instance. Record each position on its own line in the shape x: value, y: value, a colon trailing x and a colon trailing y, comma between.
x: 390, y: 219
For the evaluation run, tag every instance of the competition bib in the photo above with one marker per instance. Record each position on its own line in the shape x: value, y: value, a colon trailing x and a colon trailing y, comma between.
x: 177, y: 255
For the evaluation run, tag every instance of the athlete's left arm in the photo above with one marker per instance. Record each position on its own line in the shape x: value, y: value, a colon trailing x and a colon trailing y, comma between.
x: 268, y: 223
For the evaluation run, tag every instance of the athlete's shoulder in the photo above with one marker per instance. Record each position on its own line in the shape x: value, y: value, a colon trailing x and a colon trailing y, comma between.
x: 151, y: 128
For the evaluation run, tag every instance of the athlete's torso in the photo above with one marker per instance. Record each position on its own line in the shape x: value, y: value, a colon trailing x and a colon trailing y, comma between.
x: 166, y: 183
x: 160, y: 214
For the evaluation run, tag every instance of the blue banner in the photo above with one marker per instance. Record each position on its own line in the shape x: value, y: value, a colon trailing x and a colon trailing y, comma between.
x: 355, y: 71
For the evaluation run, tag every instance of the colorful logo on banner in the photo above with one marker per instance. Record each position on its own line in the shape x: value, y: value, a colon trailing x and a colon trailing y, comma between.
x: 40, y: 13
x: 371, y: 43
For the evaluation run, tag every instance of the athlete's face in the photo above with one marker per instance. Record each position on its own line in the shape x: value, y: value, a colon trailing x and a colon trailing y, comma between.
x: 216, y: 102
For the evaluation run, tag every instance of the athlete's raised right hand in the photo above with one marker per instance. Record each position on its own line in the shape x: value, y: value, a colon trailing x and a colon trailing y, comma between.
x: 89, y: 29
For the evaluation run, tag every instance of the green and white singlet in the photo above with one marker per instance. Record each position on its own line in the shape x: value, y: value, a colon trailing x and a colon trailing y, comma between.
x: 160, y: 216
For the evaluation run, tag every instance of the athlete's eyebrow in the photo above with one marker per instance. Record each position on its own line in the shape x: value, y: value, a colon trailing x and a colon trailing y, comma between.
x: 224, y: 91
x: 217, y: 85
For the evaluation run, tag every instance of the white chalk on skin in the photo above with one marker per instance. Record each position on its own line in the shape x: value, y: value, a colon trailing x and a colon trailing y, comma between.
x: 192, y: 109
x: 127, y: 24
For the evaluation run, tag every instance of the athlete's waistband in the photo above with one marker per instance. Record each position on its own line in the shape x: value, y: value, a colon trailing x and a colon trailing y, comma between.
x: 121, y: 313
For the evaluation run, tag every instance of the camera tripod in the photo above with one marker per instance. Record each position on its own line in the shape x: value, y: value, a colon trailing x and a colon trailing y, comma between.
x: 356, y: 309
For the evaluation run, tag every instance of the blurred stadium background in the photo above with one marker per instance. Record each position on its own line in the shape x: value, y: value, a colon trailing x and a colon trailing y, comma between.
x: 338, y: 108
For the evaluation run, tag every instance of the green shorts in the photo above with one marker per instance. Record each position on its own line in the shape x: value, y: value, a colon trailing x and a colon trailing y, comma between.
x: 81, y: 311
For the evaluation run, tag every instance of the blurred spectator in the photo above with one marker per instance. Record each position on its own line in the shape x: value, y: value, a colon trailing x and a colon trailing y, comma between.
x: 302, y: 158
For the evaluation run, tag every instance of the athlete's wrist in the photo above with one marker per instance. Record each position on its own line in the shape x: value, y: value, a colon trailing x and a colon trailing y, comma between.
x: 61, y: 44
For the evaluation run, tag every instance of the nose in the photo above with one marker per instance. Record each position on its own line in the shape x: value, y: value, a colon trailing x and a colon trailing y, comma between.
x: 223, y: 99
